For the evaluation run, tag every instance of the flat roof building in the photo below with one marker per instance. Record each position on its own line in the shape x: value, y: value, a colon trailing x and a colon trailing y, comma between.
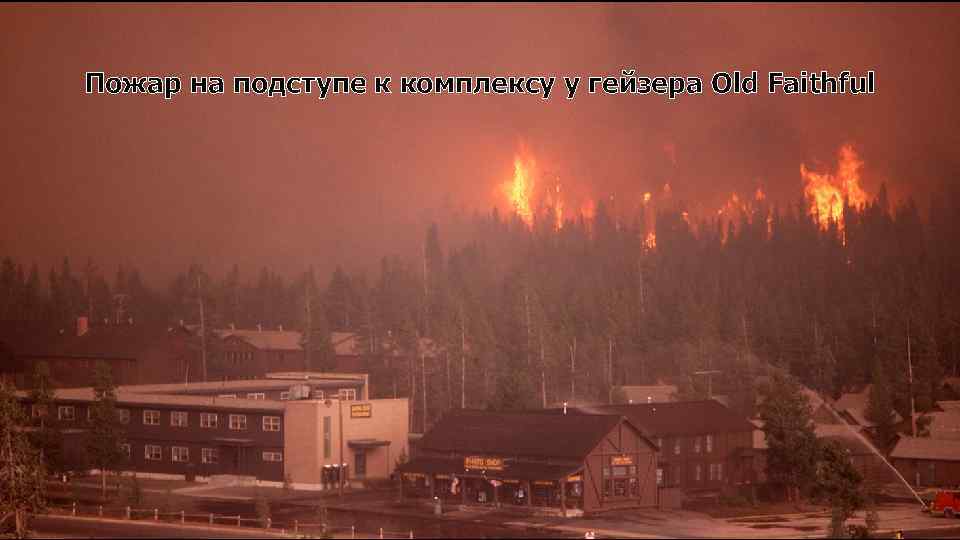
x: 233, y: 428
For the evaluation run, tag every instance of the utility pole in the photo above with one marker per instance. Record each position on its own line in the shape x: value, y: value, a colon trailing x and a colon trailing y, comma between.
x: 340, y: 469
x: 308, y: 331
x: 423, y: 374
x: 203, y: 332
x: 573, y: 369
x: 913, y: 414
x: 463, y: 360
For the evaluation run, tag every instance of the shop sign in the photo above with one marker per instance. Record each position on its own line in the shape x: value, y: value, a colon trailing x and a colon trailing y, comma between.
x: 621, y: 460
x: 361, y: 410
x: 483, y: 463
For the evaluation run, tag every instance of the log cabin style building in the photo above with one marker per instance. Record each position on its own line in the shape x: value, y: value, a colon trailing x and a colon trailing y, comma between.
x: 568, y: 464
x: 704, y: 445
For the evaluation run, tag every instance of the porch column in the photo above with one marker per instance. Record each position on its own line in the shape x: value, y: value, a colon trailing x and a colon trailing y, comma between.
x: 496, y: 495
x: 400, y: 476
x: 433, y: 481
x: 528, y: 500
x: 463, y: 490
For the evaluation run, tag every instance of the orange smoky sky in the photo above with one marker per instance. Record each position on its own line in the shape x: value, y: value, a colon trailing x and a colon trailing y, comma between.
x: 223, y: 179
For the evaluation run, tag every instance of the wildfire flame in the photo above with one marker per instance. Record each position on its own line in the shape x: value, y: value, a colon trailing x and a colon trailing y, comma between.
x: 520, y: 190
x: 827, y: 192
x: 650, y: 241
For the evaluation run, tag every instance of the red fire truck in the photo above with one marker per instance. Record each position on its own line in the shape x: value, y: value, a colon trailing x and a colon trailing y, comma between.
x: 946, y: 503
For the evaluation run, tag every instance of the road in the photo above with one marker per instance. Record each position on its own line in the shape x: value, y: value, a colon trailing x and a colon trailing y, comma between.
x: 71, y: 527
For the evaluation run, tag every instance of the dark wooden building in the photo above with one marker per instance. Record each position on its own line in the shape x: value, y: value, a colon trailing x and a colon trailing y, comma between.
x: 136, y: 354
x: 569, y: 463
x: 927, y: 462
x: 703, y: 444
x: 181, y: 435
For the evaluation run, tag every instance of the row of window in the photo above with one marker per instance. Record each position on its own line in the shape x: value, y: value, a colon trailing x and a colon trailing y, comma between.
x: 181, y: 454
x: 345, y: 394
x: 714, y: 470
x: 237, y: 422
x: 700, y: 445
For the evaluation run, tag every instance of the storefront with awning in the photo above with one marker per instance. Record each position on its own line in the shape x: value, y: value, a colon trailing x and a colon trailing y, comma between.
x: 571, y: 464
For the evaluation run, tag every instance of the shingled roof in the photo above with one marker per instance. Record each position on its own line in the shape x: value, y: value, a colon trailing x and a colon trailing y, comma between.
x: 519, y: 434
x: 675, y: 418
x: 926, y: 448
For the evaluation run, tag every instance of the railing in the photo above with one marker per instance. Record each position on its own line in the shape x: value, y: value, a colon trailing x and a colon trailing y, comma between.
x: 292, y: 528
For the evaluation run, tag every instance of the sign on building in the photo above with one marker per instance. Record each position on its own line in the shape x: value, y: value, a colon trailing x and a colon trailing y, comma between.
x: 483, y: 463
x: 361, y: 410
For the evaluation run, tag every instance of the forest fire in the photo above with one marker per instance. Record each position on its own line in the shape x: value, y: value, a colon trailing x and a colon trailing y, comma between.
x: 828, y: 193
x: 520, y: 190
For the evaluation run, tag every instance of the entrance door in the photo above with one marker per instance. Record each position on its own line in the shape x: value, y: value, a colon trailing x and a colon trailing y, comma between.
x: 360, y: 463
x: 229, y: 459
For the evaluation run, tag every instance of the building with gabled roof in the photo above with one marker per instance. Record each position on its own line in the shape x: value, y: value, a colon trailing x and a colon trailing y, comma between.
x: 702, y: 442
x: 925, y: 461
x: 569, y: 463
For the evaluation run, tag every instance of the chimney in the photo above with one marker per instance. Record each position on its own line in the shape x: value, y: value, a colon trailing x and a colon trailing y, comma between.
x: 233, y: 326
x: 83, y: 325
x: 564, y: 407
x: 259, y: 327
x: 649, y: 399
x: 280, y: 326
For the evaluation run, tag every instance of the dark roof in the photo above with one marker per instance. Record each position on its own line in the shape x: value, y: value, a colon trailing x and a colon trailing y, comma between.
x: 518, y: 434
x: 674, y: 418
x: 122, y: 341
x: 513, y: 470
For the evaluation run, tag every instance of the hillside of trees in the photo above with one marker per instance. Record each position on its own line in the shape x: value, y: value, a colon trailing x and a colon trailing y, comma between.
x: 537, y: 314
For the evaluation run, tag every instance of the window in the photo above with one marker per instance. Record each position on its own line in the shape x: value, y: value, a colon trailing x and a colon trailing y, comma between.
x: 256, y: 395
x: 660, y: 443
x: 152, y: 452
x: 65, y: 412
x: 228, y: 396
x: 123, y: 415
x: 317, y: 394
x: 709, y: 443
x: 284, y: 396
x: 676, y: 446
x: 348, y: 394
x: 326, y: 437
x: 696, y: 445
x: 178, y: 419
x: 271, y: 423
x: 659, y: 477
x: 712, y: 472
x: 209, y: 456
x: 125, y: 448
x: 720, y: 471
x: 238, y: 422
x: 272, y: 456
x: 180, y: 454
x: 698, y: 473
x: 90, y: 414
x: 151, y: 418
x: 208, y: 420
